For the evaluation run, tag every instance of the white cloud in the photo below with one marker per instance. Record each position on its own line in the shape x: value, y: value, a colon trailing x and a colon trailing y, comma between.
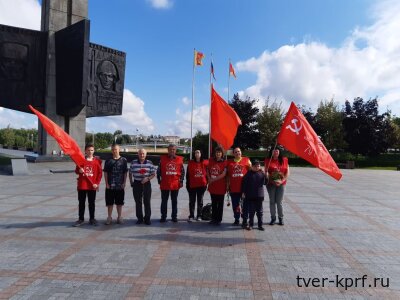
x: 186, y: 100
x: 133, y: 116
x: 17, y: 119
x: 28, y: 16
x: 366, y: 65
x: 161, y: 4
x: 181, y: 126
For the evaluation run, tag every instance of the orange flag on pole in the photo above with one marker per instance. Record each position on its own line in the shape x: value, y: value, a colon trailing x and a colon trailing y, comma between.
x: 65, y: 141
x: 299, y: 137
x: 224, y: 121
x: 232, y: 71
x: 198, y: 58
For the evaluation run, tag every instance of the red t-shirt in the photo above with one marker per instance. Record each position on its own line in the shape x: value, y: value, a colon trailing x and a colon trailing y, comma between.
x: 197, y: 172
x: 275, y: 168
x: 92, y: 169
x: 216, y: 168
x: 171, y: 170
x: 236, y: 171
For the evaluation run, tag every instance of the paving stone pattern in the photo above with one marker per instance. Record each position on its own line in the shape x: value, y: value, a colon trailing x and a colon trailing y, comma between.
x: 332, y: 230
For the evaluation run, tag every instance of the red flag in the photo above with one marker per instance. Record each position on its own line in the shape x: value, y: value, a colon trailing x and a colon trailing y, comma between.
x: 299, y: 137
x: 231, y: 71
x: 224, y: 121
x: 198, y: 58
x: 66, y: 142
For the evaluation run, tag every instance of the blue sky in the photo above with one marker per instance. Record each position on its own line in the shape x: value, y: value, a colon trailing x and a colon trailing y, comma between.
x: 304, y: 50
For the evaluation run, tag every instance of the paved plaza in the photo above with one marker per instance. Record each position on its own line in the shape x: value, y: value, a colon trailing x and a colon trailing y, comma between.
x: 338, y: 237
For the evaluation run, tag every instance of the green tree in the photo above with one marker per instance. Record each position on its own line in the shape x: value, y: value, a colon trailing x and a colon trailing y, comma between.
x: 270, y: 120
x: 329, y: 119
x: 7, y: 136
x: 200, y: 142
x: 366, y: 131
x: 248, y: 135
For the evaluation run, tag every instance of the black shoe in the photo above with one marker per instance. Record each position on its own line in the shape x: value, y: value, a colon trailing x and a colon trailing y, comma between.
x: 273, y: 219
x: 174, y: 220
x: 139, y: 222
x: 147, y: 222
x: 261, y: 228
x: 236, y: 223
x: 281, y: 221
x: 249, y: 227
x: 163, y: 220
x: 212, y: 222
x: 244, y: 225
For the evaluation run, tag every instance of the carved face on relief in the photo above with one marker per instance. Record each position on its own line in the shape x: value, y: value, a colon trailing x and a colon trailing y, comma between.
x: 13, y: 60
x: 108, y: 75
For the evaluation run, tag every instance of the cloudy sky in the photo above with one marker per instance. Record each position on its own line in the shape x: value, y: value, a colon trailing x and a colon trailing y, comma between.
x: 303, y: 51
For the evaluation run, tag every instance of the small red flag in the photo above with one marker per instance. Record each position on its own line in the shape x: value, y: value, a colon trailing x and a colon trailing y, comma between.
x: 65, y: 141
x: 299, y: 137
x: 198, y: 58
x: 231, y: 71
x: 224, y: 121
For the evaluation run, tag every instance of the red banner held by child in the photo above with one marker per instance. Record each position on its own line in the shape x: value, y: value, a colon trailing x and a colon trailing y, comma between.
x: 299, y: 137
x: 66, y: 142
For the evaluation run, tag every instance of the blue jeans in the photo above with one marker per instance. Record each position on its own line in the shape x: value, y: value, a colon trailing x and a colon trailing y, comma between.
x: 275, y: 194
x: 235, y: 198
x: 164, y: 203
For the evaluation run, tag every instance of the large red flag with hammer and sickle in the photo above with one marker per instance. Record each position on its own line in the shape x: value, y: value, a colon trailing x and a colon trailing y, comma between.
x: 64, y: 140
x: 299, y: 137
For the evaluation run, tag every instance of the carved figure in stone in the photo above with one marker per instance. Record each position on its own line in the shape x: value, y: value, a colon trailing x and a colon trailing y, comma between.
x: 108, y: 75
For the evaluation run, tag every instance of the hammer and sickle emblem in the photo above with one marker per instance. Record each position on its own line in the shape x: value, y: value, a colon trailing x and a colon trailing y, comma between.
x: 295, y: 129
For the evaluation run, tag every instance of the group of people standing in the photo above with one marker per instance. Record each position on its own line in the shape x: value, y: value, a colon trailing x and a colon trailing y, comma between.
x: 239, y: 178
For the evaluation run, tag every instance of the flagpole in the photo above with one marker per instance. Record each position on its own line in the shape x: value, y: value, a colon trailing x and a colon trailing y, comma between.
x: 191, y: 114
x: 209, y: 122
x: 229, y: 77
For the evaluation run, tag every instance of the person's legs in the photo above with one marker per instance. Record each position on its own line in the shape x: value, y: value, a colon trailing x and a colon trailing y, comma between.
x: 147, y: 203
x: 220, y: 208
x: 251, y: 205
x: 235, y: 198
x: 137, y: 190
x: 174, y: 202
x: 245, y: 212
x: 214, y: 206
x: 279, y: 198
x: 82, y: 200
x: 192, y: 202
x: 200, y: 194
x: 272, y: 206
x: 92, y: 203
x: 259, y: 211
x: 164, y: 204
x: 119, y: 202
x: 110, y: 204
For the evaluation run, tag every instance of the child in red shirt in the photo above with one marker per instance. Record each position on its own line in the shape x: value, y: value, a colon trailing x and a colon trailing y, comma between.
x: 88, y: 182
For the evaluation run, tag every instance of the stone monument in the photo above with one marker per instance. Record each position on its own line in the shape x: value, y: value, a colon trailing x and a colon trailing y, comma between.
x: 59, y: 72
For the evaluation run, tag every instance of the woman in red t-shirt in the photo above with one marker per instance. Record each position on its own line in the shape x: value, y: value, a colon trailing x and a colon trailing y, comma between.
x: 277, y: 170
x: 216, y: 174
x: 196, y: 184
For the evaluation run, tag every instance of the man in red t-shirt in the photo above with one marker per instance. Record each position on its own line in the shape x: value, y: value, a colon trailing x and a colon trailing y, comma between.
x: 170, y: 176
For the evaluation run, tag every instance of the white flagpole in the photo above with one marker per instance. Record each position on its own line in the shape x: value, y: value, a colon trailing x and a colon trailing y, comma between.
x: 209, y: 125
x: 229, y: 77
x: 191, y: 115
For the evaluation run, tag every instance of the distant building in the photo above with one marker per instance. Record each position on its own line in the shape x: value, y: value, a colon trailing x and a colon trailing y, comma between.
x: 173, y: 139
